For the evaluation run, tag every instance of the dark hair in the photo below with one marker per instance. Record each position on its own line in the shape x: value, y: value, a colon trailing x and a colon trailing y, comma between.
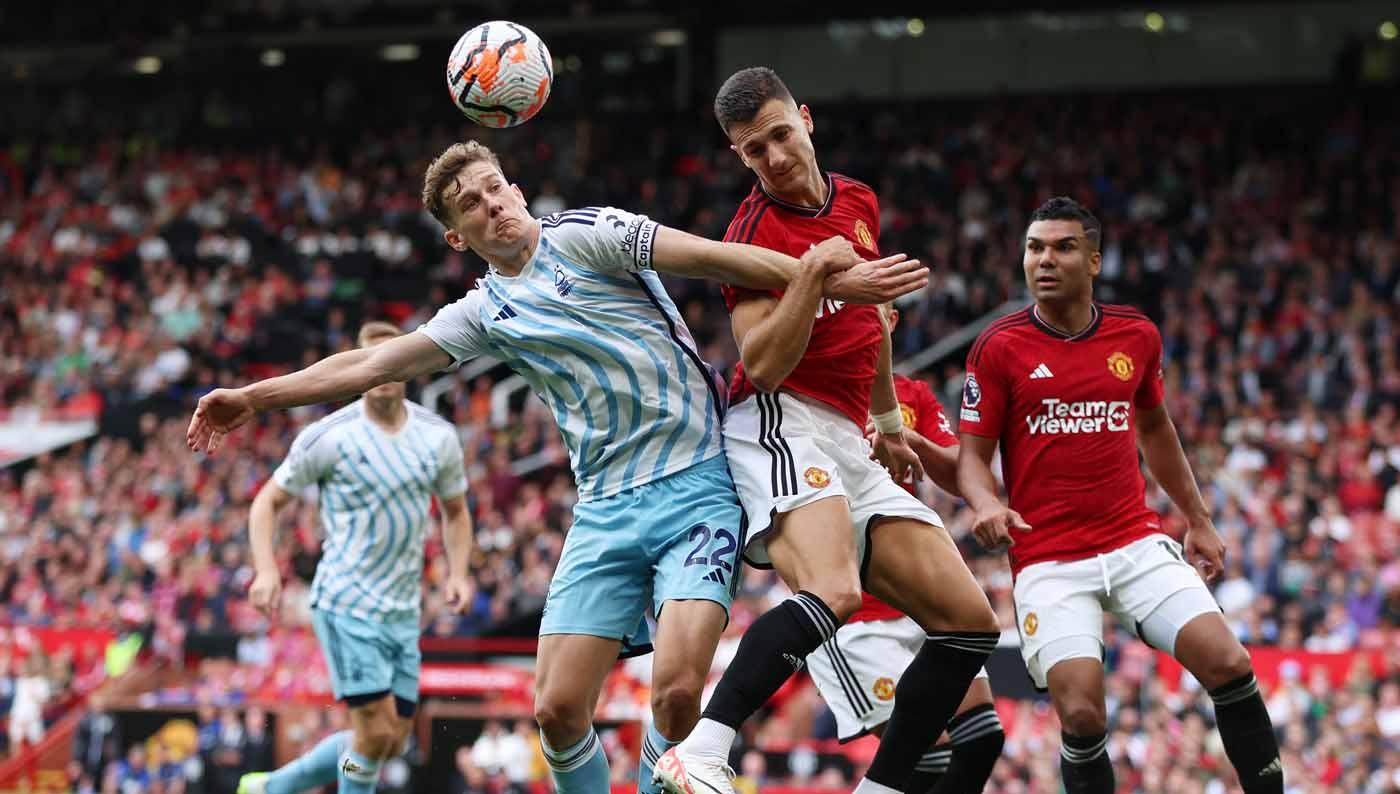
x: 1064, y: 208
x: 745, y: 92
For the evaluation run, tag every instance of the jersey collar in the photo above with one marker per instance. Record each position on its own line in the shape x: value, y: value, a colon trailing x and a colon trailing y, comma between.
x: 799, y: 209
x: 1058, y: 334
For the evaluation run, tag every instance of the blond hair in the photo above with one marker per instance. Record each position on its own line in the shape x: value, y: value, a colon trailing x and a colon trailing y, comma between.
x: 443, y: 171
x: 376, y: 331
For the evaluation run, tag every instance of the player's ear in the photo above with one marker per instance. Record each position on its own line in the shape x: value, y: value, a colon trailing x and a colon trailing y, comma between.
x: 519, y: 194
x: 455, y: 240
x: 740, y: 154
x: 806, y: 114
x: 1095, y: 262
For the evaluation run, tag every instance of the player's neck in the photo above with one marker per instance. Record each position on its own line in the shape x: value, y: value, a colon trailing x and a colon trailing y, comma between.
x: 810, y: 193
x: 1069, y: 318
x: 389, y: 415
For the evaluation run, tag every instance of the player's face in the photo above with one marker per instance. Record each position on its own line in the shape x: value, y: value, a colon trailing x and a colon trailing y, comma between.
x: 491, y: 216
x: 1060, y: 261
x: 777, y: 145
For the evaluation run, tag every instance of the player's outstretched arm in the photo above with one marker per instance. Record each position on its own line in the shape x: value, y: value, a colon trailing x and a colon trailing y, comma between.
x: 266, y: 590
x: 336, y: 377
x: 1161, y: 449
x: 993, y: 520
x: 847, y: 276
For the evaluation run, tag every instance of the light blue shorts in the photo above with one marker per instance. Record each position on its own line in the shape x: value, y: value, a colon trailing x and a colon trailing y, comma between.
x: 369, y: 658
x: 672, y: 539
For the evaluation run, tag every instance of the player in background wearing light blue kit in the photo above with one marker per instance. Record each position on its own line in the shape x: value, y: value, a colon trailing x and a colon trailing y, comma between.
x: 573, y: 303
x: 375, y: 465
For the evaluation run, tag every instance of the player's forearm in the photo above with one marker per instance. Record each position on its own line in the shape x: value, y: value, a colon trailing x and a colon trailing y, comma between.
x: 749, y: 266
x: 976, y: 481
x: 262, y: 528
x: 1165, y: 458
x: 940, y: 463
x: 336, y: 377
x: 772, y: 349
x: 883, y: 398
x: 457, y: 533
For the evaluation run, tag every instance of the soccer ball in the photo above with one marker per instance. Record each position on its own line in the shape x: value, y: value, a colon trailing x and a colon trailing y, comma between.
x: 499, y: 74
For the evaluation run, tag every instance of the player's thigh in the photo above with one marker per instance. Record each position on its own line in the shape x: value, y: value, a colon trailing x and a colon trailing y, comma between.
x: 600, y: 585
x: 1157, y: 594
x: 813, y: 548
x: 696, y: 529
x: 357, y: 658
x: 773, y: 443
x: 1077, y: 690
x: 857, y: 670
x: 1059, y: 615
x: 569, y: 673
x: 401, y: 638
x: 915, y: 567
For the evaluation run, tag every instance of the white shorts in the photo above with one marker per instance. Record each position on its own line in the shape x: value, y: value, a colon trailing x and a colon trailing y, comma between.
x: 786, y: 451
x: 1061, y: 604
x: 856, y: 671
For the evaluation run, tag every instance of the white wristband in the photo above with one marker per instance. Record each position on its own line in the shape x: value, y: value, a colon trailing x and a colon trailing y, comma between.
x: 889, y: 422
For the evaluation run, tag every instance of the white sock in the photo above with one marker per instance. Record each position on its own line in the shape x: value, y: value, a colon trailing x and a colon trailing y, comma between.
x: 710, y: 740
x: 868, y: 786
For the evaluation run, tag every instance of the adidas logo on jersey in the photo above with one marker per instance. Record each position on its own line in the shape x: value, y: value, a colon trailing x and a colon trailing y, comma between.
x: 505, y: 313
x: 1041, y: 371
x: 1275, y: 768
x: 716, y: 576
x: 1086, y: 416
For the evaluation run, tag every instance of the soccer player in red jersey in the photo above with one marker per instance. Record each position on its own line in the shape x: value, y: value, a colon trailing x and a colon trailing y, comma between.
x: 1071, y: 389
x: 821, y: 511
x: 856, y: 670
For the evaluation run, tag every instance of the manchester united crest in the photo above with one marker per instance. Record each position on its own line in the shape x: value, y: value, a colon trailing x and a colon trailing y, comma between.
x: 817, y: 478
x: 1030, y: 624
x: 1121, y: 365
x: 863, y: 235
x: 908, y: 413
x: 884, y: 688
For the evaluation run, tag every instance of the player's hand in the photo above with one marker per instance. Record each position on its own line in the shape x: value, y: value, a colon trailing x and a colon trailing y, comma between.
x: 832, y: 255
x: 877, y: 281
x: 992, y: 528
x: 1205, y: 550
x: 218, y: 413
x: 893, y: 452
x: 458, y: 592
x: 266, y: 592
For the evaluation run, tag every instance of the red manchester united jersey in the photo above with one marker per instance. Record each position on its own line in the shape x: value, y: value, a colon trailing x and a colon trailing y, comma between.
x: 839, y: 365
x: 1063, y: 408
x: 924, y: 414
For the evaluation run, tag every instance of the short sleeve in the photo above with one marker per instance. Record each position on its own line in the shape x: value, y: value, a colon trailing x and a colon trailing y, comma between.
x: 1150, y: 390
x: 985, y: 395
x: 457, y: 328
x: 605, y: 239
x: 304, y: 465
x: 932, y: 422
x: 451, y: 478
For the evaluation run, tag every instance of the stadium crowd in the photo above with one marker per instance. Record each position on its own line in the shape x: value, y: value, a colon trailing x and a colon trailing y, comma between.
x: 1261, y: 236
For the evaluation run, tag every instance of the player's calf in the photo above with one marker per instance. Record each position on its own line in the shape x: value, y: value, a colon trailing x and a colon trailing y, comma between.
x: 1207, y: 648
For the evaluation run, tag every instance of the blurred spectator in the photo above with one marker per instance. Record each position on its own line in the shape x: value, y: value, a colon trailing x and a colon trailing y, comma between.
x: 32, y: 690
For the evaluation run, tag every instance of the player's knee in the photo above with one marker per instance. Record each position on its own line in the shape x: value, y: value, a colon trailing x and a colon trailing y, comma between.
x: 840, y: 596
x: 561, y: 721
x: 380, y: 739
x: 1083, y: 717
x: 676, y: 705
x: 1222, y: 668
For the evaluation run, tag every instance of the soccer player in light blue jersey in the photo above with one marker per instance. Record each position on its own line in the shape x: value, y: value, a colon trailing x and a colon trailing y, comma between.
x: 573, y: 302
x: 375, y: 465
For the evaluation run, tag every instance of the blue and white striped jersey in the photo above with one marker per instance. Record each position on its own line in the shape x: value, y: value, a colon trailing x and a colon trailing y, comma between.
x: 589, y: 325
x: 375, y: 489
